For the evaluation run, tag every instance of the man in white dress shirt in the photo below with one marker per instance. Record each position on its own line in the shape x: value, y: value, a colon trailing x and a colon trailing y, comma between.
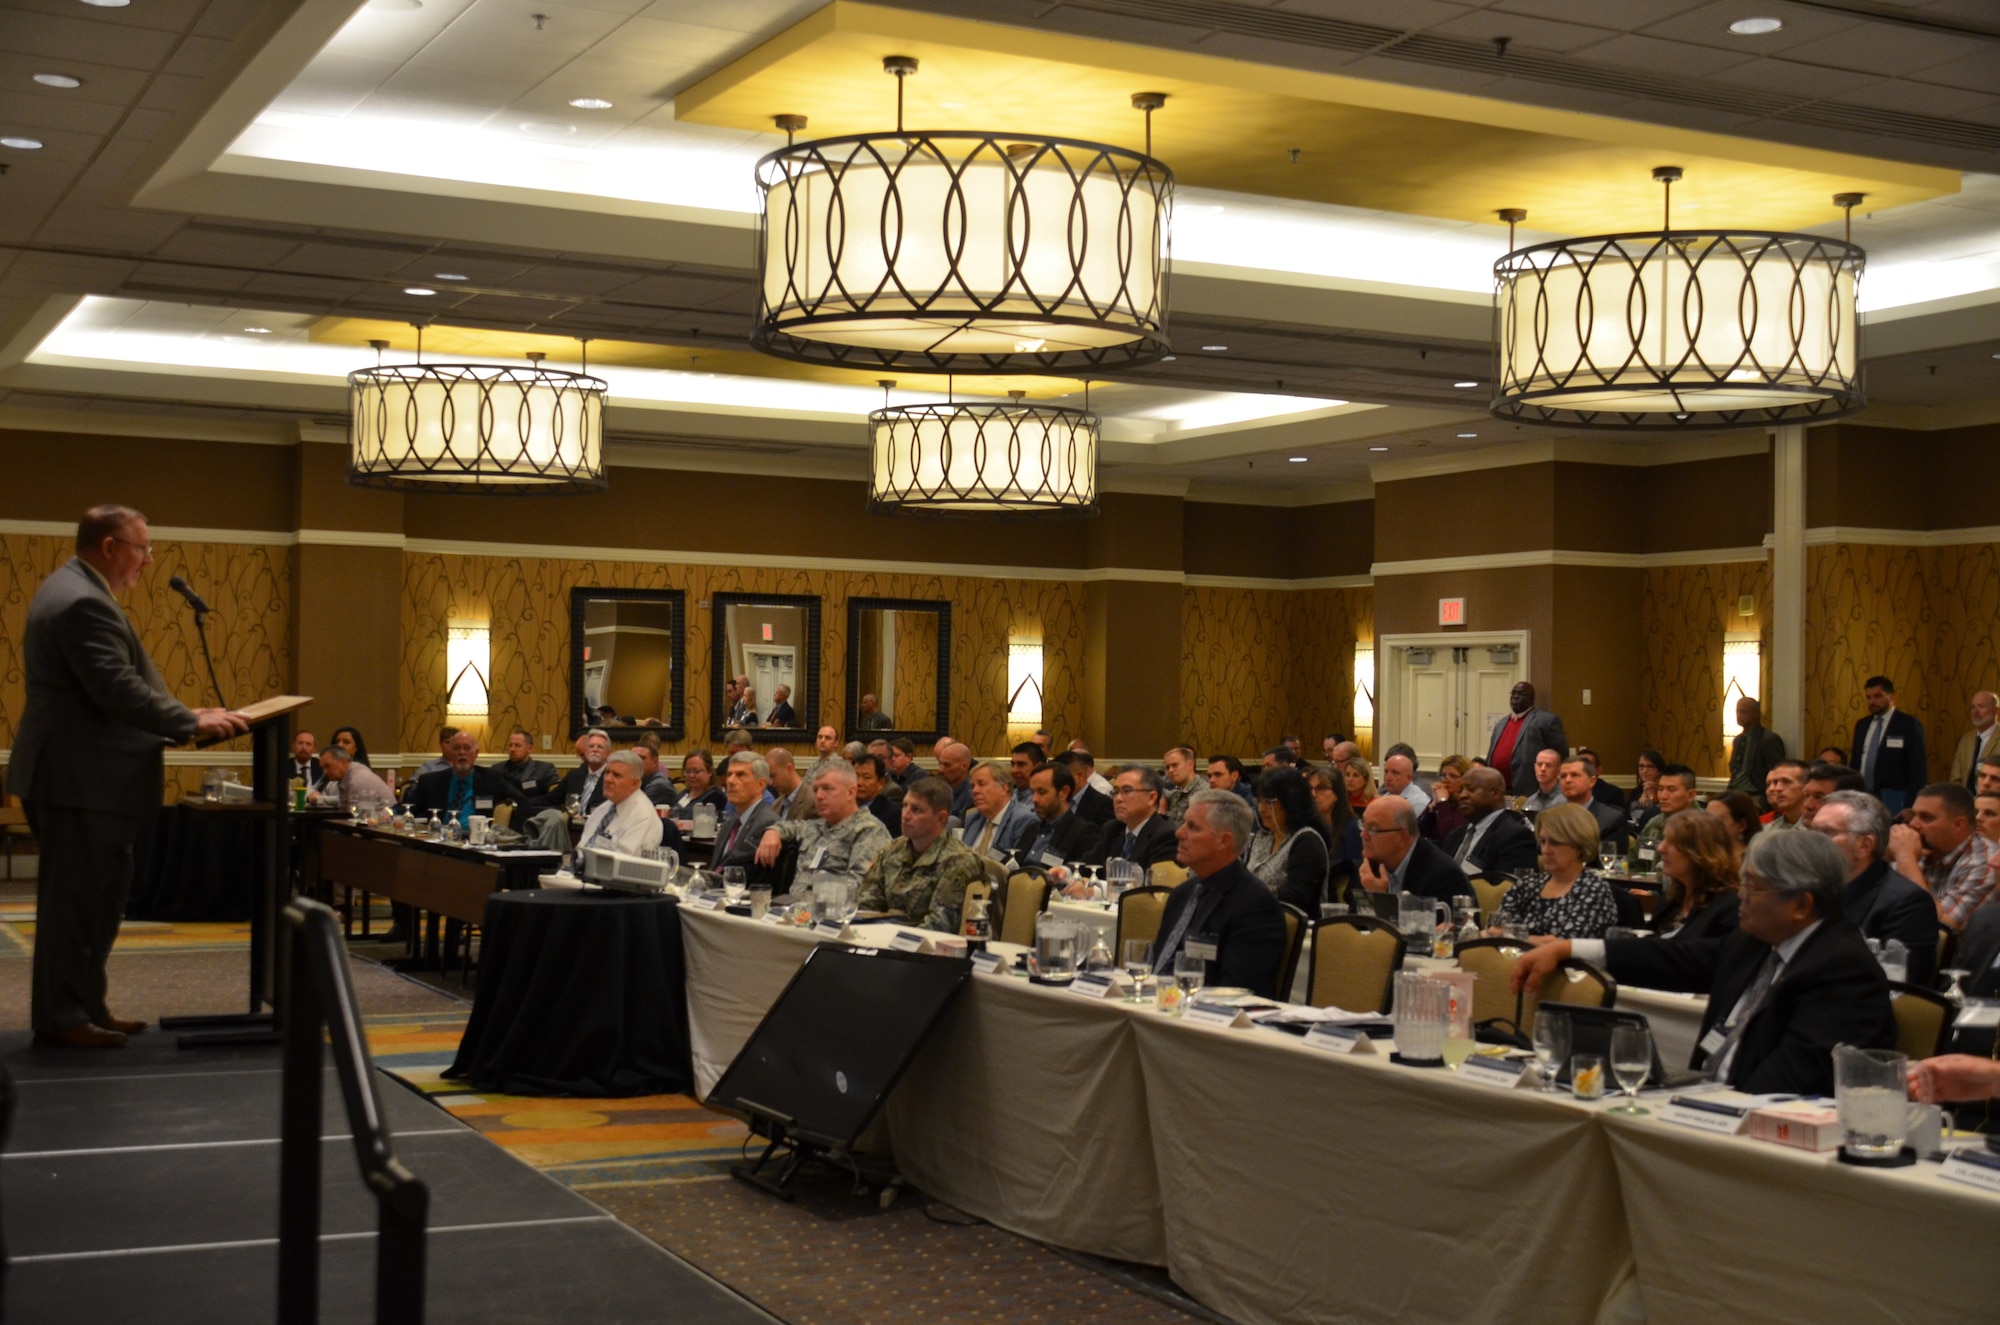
x: 624, y: 820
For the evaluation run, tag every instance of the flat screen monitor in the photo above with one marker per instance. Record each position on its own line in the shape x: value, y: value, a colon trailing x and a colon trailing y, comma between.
x: 830, y: 1049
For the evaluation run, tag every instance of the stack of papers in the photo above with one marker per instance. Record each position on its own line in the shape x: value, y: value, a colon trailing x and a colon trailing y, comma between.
x: 1297, y: 1014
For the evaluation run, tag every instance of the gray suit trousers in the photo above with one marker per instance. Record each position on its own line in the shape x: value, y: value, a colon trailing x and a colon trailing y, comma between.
x: 86, y: 871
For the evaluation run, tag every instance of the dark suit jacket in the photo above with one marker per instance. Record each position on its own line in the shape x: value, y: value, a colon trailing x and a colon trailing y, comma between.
x: 432, y: 791
x: 1540, y: 730
x: 1884, y: 905
x: 1717, y: 920
x: 96, y: 716
x: 1752, y: 754
x: 1612, y: 825
x: 743, y: 851
x: 1507, y: 848
x: 1092, y: 806
x: 1979, y: 952
x: 1244, y: 919
x: 890, y: 815
x: 1156, y: 843
x: 1069, y: 837
x: 531, y: 780
x: 310, y: 772
x: 783, y: 715
x: 1904, y: 768
x: 1431, y: 873
x: 1609, y: 794
x: 1831, y: 992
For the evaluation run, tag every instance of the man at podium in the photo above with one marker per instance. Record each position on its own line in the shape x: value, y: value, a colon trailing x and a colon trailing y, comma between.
x: 87, y: 766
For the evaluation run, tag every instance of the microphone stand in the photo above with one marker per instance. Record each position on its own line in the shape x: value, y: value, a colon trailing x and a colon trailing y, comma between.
x: 201, y: 633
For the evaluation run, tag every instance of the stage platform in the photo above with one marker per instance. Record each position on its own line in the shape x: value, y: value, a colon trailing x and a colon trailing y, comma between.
x: 141, y: 1185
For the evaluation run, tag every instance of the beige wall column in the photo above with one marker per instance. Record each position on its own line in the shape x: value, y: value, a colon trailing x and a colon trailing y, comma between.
x: 1132, y: 628
x: 1786, y: 712
x: 347, y: 637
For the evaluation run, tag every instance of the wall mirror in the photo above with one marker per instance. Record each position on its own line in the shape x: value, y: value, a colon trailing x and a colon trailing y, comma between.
x: 899, y: 667
x: 628, y: 650
x: 772, y: 641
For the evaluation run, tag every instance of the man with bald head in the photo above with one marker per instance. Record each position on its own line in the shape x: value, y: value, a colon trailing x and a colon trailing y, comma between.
x: 1755, y: 751
x: 955, y: 767
x: 1520, y: 737
x: 1396, y: 860
x: 790, y: 796
x: 1494, y: 840
x: 1977, y: 743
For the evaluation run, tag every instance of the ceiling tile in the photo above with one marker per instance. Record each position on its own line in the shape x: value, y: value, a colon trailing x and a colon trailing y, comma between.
x: 1533, y: 33
x: 767, y: 16
x: 1793, y: 78
x: 65, y: 35
x: 565, y: 30
x: 1625, y: 15
x: 334, y: 85
x: 101, y: 82
x: 1977, y: 70
x: 1404, y: 15
x: 501, y: 61
x: 1709, y: 25
x: 44, y: 109
x: 168, y: 92
x: 198, y: 57
x: 1657, y: 55
x: 1883, y: 48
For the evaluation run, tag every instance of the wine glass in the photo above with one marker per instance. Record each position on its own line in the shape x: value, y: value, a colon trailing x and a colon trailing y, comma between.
x: 1607, y: 855
x: 733, y: 883
x: 1631, y: 1061
x: 1189, y: 975
x: 1551, y: 1047
x: 1138, y: 960
x: 1956, y: 990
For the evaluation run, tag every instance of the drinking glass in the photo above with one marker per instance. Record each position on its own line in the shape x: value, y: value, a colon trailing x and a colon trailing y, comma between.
x: 1586, y: 1076
x: 760, y: 901
x: 1956, y: 990
x: 733, y: 883
x: 1551, y: 1047
x: 1607, y: 856
x: 1189, y: 975
x: 1631, y: 1061
x: 1138, y: 961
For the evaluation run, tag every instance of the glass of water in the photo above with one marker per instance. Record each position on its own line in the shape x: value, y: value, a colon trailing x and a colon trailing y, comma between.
x: 1551, y: 1047
x: 1189, y: 975
x: 1138, y: 962
x: 1631, y: 1061
x: 733, y: 883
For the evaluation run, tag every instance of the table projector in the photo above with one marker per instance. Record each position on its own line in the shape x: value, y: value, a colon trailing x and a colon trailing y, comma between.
x: 631, y: 874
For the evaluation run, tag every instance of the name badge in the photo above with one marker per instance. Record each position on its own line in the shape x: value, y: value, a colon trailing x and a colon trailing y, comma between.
x: 1332, y: 1038
x: 1500, y: 1073
x: 1051, y: 859
x: 773, y: 918
x: 1094, y: 984
x: 1973, y: 1167
x: 531, y: 786
x: 1200, y: 945
x: 482, y: 803
x: 1894, y: 742
x: 1721, y: 1119
x: 818, y: 856
x: 1711, y: 1043
x: 1210, y: 1015
x: 1648, y: 853
x: 989, y: 963
x: 829, y: 929
x: 904, y: 940
x: 705, y: 902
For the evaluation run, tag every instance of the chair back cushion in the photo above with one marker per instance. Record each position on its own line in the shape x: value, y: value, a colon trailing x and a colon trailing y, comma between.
x: 1921, y: 1023
x: 1167, y: 874
x: 1490, y: 962
x: 1026, y: 895
x: 1139, y: 912
x: 1354, y: 961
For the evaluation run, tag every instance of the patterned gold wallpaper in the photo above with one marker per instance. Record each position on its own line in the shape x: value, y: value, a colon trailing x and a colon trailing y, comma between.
x: 1686, y: 613
x: 526, y: 601
x: 916, y: 668
x: 1256, y: 663
x: 249, y: 586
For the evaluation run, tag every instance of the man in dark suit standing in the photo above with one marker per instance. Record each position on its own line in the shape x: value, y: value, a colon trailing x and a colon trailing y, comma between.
x: 1139, y: 832
x: 1522, y: 735
x: 1396, y: 860
x: 1889, y: 747
x: 1494, y: 840
x: 1793, y: 981
x: 1754, y: 752
x: 1223, y: 910
x: 461, y: 789
x: 87, y: 766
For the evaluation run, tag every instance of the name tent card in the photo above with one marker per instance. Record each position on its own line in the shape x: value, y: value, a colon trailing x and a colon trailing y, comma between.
x: 1973, y: 1167
x: 1707, y: 1115
x: 830, y: 929
x: 1333, y: 1038
x: 989, y: 963
x: 1095, y: 984
x: 773, y: 918
x: 1500, y: 1073
x: 1210, y: 1015
x: 706, y: 902
x: 905, y: 940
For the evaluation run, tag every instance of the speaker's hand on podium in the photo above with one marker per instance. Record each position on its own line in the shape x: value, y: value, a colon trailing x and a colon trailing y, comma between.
x: 219, y: 724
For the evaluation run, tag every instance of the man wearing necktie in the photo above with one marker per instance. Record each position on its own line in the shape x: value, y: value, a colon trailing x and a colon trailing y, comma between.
x: 461, y: 789
x: 1138, y: 830
x: 1222, y: 911
x: 624, y: 820
x: 305, y: 763
x: 1889, y: 747
x: 1977, y: 742
x: 744, y: 778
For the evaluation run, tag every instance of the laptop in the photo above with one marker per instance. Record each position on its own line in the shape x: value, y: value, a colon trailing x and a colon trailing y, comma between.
x: 1590, y: 1033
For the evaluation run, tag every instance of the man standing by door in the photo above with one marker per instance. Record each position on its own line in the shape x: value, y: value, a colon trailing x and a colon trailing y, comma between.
x: 1889, y: 747
x: 1520, y: 736
x: 87, y: 766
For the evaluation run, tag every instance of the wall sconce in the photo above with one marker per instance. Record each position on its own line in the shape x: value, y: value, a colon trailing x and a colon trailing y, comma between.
x: 1024, y: 681
x: 468, y: 663
x: 1364, y: 690
x: 1742, y: 667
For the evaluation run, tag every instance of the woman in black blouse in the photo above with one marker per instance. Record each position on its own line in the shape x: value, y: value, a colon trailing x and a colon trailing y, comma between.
x: 1289, y: 853
x: 1701, y: 863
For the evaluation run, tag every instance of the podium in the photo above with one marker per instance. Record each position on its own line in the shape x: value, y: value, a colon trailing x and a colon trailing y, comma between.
x: 262, y: 1022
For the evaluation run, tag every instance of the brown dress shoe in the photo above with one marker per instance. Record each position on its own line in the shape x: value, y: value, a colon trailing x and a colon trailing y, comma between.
x: 85, y: 1036
x: 123, y: 1025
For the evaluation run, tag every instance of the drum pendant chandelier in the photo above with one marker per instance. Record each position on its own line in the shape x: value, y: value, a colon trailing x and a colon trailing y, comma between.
x: 1679, y: 328
x: 963, y: 252
x: 475, y: 428
x: 982, y: 459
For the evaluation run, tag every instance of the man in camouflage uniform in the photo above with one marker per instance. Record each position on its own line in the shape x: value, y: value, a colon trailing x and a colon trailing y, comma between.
x: 842, y: 841
x: 1182, y: 783
x: 924, y: 872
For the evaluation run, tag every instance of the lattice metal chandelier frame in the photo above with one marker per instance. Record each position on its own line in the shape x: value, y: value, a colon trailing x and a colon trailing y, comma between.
x: 983, y: 459
x: 963, y: 252
x: 1678, y: 329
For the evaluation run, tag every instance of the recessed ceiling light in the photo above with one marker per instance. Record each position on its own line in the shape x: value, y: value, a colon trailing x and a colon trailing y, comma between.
x: 258, y: 331
x: 393, y: 6
x: 590, y: 103
x: 108, y: 4
x: 22, y: 144
x: 1378, y: 448
x: 547, y: 128
x: 58, y: 80
x: 1169, y: 358
x: 418, y: 290
x: 1468, y: 434
x: 449, y: 276
x: 1756, y: 27
x: 1464, y: 385
x: 1298, y: 460
x: 1215, y: 349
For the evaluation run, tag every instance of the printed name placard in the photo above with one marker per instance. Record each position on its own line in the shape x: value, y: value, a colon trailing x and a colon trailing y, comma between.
x: 905, y: 940
x: 706, y: 902
x: 1720, y: 1119
x: 989, y: 963
x: 829, y: 929
x: 1973, y: 1167
x: 1094, y: 984
x: 1210, y: 1015
x: 772, y: 918
x: 1336, y: 1039
x: 1501, y: 1073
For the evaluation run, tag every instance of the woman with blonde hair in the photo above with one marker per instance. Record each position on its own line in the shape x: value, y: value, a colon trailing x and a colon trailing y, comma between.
x: 1567, y: 899
x: 1360, y: 782
x: 1701, y: 862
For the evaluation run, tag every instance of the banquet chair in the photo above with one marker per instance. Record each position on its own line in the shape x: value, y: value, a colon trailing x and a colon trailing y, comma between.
x: 1025, y: 897
x: 1168, y: 874
x: 503, y: 814
x: 1947, y: 947
x: 1139, y: 912
x: 1573, y: 982
x: 1923, y: 1020
x: 1354, y: 963
x: 1490, y: 962
x: 1488, y: 892
x: 1296, y: 925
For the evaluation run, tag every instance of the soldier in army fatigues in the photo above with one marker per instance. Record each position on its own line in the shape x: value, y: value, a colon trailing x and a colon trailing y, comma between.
x: 843, y: 841
x: 924, y: 873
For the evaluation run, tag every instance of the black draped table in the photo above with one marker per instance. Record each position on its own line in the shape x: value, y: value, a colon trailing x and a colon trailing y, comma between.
x: 200, y: 863
x: 580, y: 993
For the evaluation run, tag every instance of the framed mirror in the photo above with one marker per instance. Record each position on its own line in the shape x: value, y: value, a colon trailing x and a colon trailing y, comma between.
x: 898, y: 667
x: 628, y: 650
x: 771, y: 641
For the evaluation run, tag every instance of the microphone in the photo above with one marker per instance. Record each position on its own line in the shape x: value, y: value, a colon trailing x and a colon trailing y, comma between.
x: 185, y: 590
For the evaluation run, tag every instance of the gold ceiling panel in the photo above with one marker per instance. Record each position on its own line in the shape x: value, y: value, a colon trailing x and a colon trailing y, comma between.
x: 1230, y: 124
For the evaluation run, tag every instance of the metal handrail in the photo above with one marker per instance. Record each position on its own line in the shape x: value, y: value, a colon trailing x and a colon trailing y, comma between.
x: 321, y: 994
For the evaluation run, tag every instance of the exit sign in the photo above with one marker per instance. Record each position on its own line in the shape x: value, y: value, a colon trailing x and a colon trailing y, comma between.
x: 767, y: 630
x: 1451, y: 611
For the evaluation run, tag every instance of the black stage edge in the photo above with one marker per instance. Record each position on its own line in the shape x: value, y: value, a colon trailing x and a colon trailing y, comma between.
x: 141, y: 1185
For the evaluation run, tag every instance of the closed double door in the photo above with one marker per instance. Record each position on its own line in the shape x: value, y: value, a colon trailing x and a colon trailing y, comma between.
x: 1447, y: 696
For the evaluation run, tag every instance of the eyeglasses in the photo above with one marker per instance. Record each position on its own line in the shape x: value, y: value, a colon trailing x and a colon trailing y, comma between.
x: 1130, y: 791
x: 143, y: 549
x: 1369, y: 830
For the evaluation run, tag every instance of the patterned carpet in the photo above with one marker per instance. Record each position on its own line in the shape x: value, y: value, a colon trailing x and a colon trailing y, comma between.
x: 17, y: 934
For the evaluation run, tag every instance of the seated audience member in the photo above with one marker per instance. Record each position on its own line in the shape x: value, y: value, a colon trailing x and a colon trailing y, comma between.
x: 1986, y: 777
x: 1281, y: 756
x: 1182, y: 782
x: 923, y: 874
x: 349, y: 784
x: 742, y: 826
x: 531, y: 778
x: 1675, y: 790
x: 871, y: 776
x: 349, y: 739
x: 1330, y: 800
x: 1785, y: 793
x: 1359, y: 780
x: 1794, y: 980
x: 624, y: 820
x: 1137, y: 831
x: 1578, y: 783
x: 1739, y: 812
x: 826, y: 744
x: 1567, y: 897
x: 901, y: 756
x: 443, y: 761
x: 790, y: 796
x: 461, y: 789
x: 1644, y: 802
x: 1754, y: 751
x: 782, y: 713
x: 1986, y: 817
x: 305, y: 763
x: 654, y: 785
x: 1881, y: 903
x: 853, y: 750
x: 1548, y: 790
x: 743, y: 709
x: 1701, y: 864
x: 1225, y: 773
x: 1979, y: 954
x: 1291, y: 741
x: 1090, y: 804
x: 1289, y: 851
x: 1339, y: 750
x: 997, y: 822
x: 1831, y: 754
x: 548, y: 819
x: 735, y: 743
x: 872, y: 718
x: 1022, y: 761
x: 1600, y: 790
x: 1399, y: 778
x: 1939, y: 849
x: 1221, y: 902
x: 1495, y: 841
x: 1396, y: 860
x: 1822, y: 780
x: 698, y: 772
x: 1058, y: 835
x: 954, y: 760
x: 1444, y: 815
x: 840, y: 840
